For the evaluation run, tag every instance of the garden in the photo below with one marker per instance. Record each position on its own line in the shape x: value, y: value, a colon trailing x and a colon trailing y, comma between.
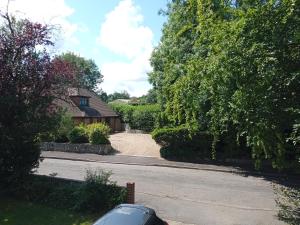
x: 31, y: 79
x: 44, y: 200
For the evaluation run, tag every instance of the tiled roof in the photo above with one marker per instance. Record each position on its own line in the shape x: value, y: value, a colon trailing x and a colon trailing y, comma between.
x: 96, y: 108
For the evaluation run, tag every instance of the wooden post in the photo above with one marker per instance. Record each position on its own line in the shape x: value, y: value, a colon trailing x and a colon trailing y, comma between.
x: 130, y: 193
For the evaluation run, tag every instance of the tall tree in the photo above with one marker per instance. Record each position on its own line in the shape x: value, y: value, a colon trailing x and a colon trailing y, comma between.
x: 29, y: 81
x: 88, y: 74
x: 241, y: 73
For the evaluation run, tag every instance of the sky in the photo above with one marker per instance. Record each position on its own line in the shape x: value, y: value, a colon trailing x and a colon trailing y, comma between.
x: 119, y: 35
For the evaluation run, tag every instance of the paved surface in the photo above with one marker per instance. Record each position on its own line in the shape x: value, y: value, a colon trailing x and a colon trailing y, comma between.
x: 186, y: 195
x: 134, y: 144
x: 137, y: 160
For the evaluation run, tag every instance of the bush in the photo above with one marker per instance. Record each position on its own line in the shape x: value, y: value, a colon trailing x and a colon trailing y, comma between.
x: 96, y: 137
x: 181, y: 143
x: 66, y: 124
x: 98, y: 133
x: 105, y: 129
x: 78, y: 135
x: 96, y: 193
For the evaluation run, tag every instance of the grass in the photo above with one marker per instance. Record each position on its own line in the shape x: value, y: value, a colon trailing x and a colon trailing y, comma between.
x: 15, y: 212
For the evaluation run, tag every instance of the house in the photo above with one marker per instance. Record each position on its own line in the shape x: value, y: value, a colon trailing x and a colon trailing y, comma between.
x: 85, y: 106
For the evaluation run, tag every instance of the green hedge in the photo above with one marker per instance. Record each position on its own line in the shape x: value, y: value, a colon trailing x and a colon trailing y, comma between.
x: 140, y: 117
x: 181, y: 143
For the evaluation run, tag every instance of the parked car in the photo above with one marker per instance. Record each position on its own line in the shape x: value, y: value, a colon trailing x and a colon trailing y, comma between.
x: 127, y: 214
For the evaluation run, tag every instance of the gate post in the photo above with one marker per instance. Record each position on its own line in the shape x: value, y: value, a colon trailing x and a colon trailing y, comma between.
x: 130, y: 193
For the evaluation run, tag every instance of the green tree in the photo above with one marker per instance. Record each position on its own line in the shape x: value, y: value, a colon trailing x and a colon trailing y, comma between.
x: 239, y: 75
x: 149, y: 98
x: 88, y: 74
x: 118, y: 95
x: 103, y: 95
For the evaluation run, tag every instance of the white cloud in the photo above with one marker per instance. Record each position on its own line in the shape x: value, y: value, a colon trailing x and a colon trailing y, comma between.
x: 124, y: 34
x: 54, y: 12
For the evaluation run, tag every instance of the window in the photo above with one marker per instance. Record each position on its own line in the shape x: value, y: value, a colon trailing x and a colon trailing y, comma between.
x: 83, y: 101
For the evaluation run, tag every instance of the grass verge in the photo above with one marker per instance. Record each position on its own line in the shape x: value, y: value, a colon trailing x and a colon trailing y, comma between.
x: 18, y: 212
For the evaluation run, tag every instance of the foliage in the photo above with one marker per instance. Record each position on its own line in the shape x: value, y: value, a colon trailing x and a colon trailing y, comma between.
x: 87, y: 72
x: 65, y: 125
x: 102, y: 95
x: 29, y: 81
x: 96, y: 193
x: 181, y: 143
x: 14, y: 211
x: 141, y: 117
x: 98, y: 133
x: 78, y: 135
x: 233, y: 67
x: 118, y: 95
x: 149, y: 98
x: 105, y: 129
x: 288, y: 201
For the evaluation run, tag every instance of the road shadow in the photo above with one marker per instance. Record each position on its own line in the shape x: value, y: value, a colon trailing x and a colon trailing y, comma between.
x: 114, y: 151
x: 246, y: 168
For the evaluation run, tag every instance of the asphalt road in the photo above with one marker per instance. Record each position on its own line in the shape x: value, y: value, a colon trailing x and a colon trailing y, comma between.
x: 186, y: 195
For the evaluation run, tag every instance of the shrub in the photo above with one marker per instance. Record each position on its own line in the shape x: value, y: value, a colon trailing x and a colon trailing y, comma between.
x: 98, y: 133
x: 171, y: 136
x: 78, y: 135
x: 96, y: 193
x: 66, y: 124
x: 97, y: 137
x: 105, y: 129
x: 181, y: 143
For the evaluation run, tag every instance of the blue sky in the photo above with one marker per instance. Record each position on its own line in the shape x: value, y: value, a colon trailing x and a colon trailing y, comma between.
x: 118, y: 34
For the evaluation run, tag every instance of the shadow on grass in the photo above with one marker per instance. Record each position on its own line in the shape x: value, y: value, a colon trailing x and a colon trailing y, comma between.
x: 15, y: 212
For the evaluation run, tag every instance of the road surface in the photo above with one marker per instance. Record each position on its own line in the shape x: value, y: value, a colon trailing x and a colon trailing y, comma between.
x: 186, y: 195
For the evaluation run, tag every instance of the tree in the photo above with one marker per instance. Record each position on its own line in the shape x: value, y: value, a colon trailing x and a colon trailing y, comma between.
x: 29, y: 81
x: 103, y: 95
x: 149, y: 98
x: 239, y: 75
x: 118, y: 95
x: 88, y: 74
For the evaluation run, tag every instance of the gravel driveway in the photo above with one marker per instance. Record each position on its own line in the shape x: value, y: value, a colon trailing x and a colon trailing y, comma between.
x: 134, y: 144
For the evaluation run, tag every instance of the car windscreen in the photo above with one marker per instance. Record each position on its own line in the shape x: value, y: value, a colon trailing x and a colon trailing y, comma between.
x: 124, y: 216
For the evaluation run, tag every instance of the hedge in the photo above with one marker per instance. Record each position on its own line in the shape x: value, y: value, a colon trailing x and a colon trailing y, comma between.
x: 140, y: 117
x: 180, y: 143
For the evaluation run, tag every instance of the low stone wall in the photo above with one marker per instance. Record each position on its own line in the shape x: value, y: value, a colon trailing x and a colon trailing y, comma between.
x: 76, y: 148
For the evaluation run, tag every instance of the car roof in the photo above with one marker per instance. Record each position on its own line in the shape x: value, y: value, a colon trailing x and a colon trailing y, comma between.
x: 127, y: 214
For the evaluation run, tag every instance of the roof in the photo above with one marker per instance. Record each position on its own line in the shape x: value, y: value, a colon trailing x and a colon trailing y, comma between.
x: 96, y: 108
x: 126, y: 214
